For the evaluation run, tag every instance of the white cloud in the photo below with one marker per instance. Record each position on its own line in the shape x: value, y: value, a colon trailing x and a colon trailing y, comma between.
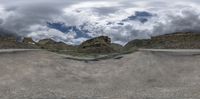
x: 44, y: 32
x: 29, y: 18
x: 94, y: 4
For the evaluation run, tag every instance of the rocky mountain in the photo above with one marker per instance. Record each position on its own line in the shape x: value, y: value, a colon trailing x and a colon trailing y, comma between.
x: 29, y: 42
x: 13, y: 42
x: 100, y: 44
x: 180, y: 40
x: 117, y: 47
x: 52, y: 45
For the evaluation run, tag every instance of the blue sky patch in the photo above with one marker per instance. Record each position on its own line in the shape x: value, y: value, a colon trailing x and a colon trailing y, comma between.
x: 141, y: 16
x: 66, y: 29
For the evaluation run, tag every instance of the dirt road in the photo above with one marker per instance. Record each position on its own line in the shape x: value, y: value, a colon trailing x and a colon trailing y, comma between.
x: 149, y: 74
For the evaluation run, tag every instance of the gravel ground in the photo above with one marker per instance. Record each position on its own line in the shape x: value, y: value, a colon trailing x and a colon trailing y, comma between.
x: 146, y: 74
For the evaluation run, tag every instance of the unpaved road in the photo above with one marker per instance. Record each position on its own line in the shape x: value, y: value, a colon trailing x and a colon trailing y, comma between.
x: 16, y: 50
x: 146, y: 74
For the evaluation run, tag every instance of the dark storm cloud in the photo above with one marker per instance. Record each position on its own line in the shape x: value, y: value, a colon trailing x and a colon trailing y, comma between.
x: 1, y: 21
x: 24, y: 15
x: 7, y: 33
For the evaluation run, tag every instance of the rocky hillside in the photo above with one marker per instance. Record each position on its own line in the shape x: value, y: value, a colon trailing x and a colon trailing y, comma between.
x: 169, y: 41
x: 13, y: 42
x: 96, y: 45
x: 100, y: 44
x: 103, y: 44
x: 52, y: 45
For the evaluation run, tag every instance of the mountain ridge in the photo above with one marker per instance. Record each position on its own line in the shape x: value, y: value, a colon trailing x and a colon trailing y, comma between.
x: 178, y: 40
x: 103, y: 44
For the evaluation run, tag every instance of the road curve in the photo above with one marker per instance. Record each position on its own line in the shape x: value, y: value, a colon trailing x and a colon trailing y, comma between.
x: 145, y: 74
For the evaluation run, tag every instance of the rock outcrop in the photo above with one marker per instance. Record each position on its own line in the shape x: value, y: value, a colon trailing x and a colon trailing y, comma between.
x: 28, y: 41
x: 100, y: 44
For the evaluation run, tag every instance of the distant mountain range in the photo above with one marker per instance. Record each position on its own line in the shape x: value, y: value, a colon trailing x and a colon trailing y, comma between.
x: 102, y: 44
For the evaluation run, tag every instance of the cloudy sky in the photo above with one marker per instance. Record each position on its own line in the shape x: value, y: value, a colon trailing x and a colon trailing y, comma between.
x: 73, y: 21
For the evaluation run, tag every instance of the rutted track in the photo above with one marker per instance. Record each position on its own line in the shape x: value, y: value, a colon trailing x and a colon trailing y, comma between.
x: 149, y: 74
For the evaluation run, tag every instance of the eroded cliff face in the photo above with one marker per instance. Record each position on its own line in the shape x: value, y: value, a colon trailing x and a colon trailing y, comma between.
x: 100, y: 44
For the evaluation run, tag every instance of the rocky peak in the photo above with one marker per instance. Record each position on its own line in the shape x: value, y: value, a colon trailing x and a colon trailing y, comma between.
x: 28, y: 41
x: 96, y: 42
x: 46, y: 41
x: 100, y: 44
